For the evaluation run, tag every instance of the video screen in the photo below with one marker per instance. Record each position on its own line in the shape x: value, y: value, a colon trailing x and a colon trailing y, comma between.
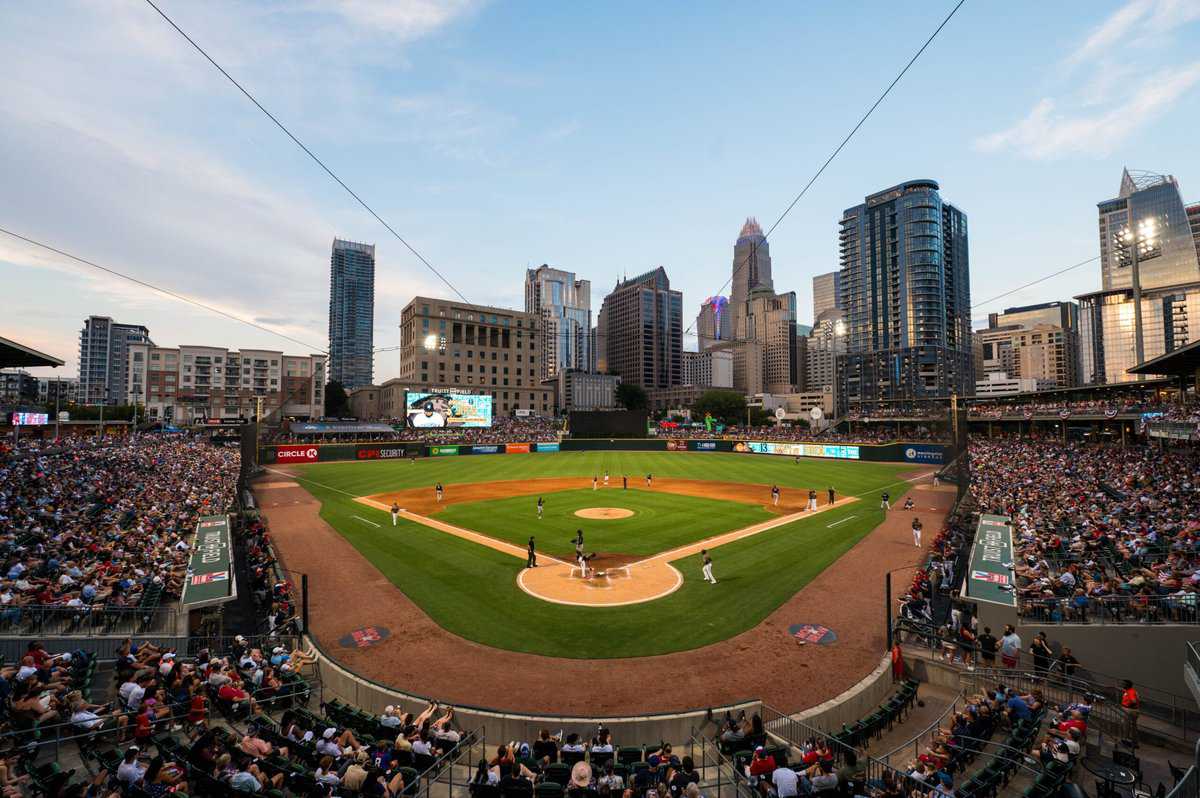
x: 30, y: 419
x: 427, y: 410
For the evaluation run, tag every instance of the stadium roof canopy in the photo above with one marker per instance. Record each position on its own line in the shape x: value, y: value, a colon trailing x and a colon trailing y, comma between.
x: 1183, y: 362
x: 13, y: 354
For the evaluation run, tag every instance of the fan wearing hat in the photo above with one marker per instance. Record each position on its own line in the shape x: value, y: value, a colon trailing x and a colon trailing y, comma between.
x: 760, y: 764
x: 581, y: 781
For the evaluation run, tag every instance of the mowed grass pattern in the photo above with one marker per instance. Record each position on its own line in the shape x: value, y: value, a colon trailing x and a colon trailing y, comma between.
x: 471, y: 590
x: 660, y: 521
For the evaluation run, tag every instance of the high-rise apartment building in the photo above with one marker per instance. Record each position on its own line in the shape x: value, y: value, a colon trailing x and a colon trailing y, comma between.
x: 709, y: 368
x: 639, y: 334
x: 352, y: 313
x: 455, y: 346
x: 1038, y: 342
x: 189, y: 383
x: 906, y: 291
x: 827, y: 293
x: 768, y: 321
x: 1193, y: 215
x: 18, y: 386
x: 714, y: 322
x: 1148, y: 214
x: 104, y: 359
x: 565, y: 307
x: 751, y: 268
x: 58, y: 390
x: 824, y: 344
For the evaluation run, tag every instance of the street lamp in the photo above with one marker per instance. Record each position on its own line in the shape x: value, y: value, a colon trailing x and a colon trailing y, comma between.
x: 1141, y: 243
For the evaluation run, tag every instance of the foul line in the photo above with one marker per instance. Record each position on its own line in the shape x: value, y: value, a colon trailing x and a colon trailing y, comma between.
x: 844, y: 520
x: 365, y: 521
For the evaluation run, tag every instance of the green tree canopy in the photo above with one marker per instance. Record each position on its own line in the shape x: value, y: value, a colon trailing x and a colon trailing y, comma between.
x: 632, y: 397
x: 336, y: 401
x: 727, y: 407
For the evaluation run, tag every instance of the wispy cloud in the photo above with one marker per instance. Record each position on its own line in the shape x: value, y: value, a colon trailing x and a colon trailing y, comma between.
x: 1047, y: 132
x: 405, y: 19
x: 1099, y: 108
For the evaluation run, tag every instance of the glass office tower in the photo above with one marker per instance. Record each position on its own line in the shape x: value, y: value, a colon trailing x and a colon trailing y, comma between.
x: 352, y: 313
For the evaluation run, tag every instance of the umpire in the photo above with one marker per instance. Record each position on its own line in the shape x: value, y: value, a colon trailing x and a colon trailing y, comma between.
x: 531, y: 560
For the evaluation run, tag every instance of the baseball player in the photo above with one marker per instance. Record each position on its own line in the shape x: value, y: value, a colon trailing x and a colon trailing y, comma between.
x: 624, y: 482
x: 649, y: 480
x: 581, y: 559
x: 606, y: 478
x: 706, y: 569
x: 395, y: 512
x: 775, y: 495
x: 832, y: 496
x: 885, y: 501
x: 539, y: 506
x: 812, y: 499
x: 916, y: 528
x: 594, y: 481
x: 531, y: 560
x: 438, y: 491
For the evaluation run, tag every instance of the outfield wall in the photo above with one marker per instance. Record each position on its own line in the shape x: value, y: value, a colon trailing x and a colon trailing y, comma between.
x: 931, y: 454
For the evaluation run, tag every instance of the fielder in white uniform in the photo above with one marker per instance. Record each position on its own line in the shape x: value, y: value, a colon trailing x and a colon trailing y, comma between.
x: 707, y: 568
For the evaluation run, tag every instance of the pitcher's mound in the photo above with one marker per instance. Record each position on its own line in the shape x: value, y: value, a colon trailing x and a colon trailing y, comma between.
x: 604, y: 513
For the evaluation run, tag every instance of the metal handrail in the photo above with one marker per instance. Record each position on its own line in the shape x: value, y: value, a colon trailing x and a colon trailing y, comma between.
x: 1188, y: 785
x: 478, y: 737
x: 915, y: 741
x: 741, y: 789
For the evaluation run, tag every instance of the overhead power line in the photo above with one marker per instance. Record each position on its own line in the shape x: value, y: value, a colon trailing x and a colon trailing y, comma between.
x: 1035, y: 282
x: 846, y: 140
x: 307, y: 151
x: 161, y: 290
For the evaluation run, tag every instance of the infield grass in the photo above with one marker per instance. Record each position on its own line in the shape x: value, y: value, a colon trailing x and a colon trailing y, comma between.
x: 660, y: 521
x: 471, y: 590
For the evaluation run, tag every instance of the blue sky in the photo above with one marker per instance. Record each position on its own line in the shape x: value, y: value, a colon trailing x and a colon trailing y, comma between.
x: 603, y: 138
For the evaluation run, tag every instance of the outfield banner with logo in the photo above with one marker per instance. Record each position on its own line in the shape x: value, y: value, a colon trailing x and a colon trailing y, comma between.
x: 702, y: 446
x: 442, y: 451
x: 799, y: 449
x: 209, y: 577
x: 486, y: 448
x: 924, y: 453
x: 545, y: 447
x: 990, y: 577
x: 517, y: 448
x: 296, y: 454
x: 377, y: 452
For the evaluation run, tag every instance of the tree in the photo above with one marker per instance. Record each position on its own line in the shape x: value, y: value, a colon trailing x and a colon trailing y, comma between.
x: 632, y: 397
x: 727, y: 407
x: 336, y: 402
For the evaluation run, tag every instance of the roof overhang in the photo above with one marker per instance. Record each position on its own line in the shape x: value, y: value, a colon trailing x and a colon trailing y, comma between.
x: 13, y: 354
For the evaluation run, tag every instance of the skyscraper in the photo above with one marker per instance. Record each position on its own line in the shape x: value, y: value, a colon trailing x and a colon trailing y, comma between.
x: 565, y: 305
x: 751, y: 267
x: 104, y: 359
x: 827, y: 293
x: 640, y: 331
x: 714, y: 322
x: 1149, y: 209
x: 1193, y: 215
x: 351, y: 313
x: 1035, y: 342
x: 905, y: 287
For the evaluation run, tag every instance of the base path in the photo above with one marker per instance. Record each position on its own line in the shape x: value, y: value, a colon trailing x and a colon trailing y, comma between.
x: 347, y: 592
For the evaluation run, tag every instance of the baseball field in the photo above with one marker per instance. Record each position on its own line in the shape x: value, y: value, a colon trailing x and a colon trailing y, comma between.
x: 461, y: 560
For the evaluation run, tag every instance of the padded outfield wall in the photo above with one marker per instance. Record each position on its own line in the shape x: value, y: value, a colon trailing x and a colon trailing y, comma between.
x: 927, y: 454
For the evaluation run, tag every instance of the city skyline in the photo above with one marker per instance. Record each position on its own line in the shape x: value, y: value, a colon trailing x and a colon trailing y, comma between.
x: 254, y: 219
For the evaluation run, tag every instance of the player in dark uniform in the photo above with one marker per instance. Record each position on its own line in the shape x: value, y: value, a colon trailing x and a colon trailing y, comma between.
x: 832, y: 496
x: 531, y: 560
x: 437, y: 489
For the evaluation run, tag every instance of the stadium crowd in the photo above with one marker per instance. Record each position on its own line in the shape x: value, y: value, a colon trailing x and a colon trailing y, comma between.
x: 504, y: 429
x: 1097, y: 407
x: 97, y: 524
x: 1101, y: 533
x: 801, y: 434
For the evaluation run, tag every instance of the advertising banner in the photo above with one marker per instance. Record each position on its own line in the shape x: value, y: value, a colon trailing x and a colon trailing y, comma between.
x: 442, y: 451
x: 30, y: 419
x: 674, y: 445
x: 516, y: 448
x: 799, y: 449
x: 546, y: 447
x: 990, y: 578
x: 704, y: 446
x: 485, y: 448
x: 921, y: 453
x: 380, y: 452
x: 296, y: 454
x: 209, y: 577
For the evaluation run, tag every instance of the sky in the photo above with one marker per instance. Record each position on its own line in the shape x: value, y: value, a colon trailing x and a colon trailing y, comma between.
x: 604, y: 138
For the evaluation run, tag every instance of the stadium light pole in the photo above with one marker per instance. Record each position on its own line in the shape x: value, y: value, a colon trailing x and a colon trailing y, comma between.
x: 1145, y: 235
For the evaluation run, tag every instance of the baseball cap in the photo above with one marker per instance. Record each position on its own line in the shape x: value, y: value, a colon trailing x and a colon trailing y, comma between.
x: 328, y: 733
x: 389, y: 709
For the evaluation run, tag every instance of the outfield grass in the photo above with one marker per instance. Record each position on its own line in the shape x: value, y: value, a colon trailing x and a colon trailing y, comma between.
x: 660, y: 521
x: 471, y: 590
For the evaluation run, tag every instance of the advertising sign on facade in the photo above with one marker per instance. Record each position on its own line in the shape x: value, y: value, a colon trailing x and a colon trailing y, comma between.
x: 799, y: 449
x: 29, y: 419
x: 485, y: 448
x: 296, y: 454
x: 704, y: 446
x: 442, y: 451
x: 448, y: 409
x: 516, y: 448
x: 380, y: 453
x: 546, y: 447
x: 923, y: 453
